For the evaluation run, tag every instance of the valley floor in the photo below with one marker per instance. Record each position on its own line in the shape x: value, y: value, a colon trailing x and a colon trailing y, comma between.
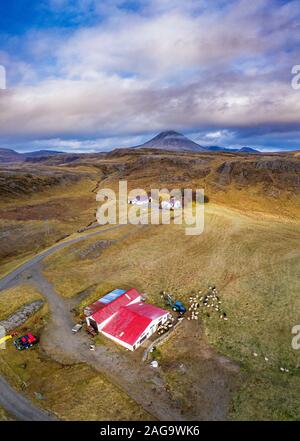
x: 207, y: 369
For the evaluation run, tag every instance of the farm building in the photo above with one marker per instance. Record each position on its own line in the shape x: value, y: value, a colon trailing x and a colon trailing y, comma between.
x: 140, y: 200
x: 127, y: 320
x: 89, y: 310
x: 171, y: 204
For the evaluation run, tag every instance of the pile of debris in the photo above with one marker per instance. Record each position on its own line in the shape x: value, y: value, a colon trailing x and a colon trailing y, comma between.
x: 93, y: 251
x: 210, y: 300
x: 19, y: 317
x: 162, y: 329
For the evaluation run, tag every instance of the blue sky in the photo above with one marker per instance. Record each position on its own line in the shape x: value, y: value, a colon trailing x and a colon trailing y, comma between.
x: 86, y: 75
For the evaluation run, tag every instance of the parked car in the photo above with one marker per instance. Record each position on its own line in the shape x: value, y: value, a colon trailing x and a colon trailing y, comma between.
x: 25, y: 342
x: 76, y: 328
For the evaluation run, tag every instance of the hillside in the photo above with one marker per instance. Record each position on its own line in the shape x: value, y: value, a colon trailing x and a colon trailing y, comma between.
x: 8, y: 155
x: 264, y: 182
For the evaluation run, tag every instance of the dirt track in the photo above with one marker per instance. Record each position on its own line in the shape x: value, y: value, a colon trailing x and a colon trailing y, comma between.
x: 19, y: 406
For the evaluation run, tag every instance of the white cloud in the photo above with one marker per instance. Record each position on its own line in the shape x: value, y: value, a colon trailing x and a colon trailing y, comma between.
x: 166, y: 66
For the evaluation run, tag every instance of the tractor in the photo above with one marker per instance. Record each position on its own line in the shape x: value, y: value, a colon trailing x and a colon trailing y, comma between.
x: 177, y: 306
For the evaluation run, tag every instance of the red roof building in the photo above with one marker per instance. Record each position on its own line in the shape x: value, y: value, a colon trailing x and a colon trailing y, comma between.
x: 105, y: 312
x: 127, y: 320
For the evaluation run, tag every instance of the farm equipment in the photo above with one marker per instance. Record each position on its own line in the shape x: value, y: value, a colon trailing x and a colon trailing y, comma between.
x: 177, y: 306
x: 91, y: 331
x: 25, y: 342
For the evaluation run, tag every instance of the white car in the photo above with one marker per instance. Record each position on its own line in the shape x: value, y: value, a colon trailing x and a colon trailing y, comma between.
x: 76, y: 328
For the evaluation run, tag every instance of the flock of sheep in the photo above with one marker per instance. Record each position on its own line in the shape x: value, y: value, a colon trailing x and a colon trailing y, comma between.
x: 166, y: 326
x: 198, y: 303
x: 210, y: 300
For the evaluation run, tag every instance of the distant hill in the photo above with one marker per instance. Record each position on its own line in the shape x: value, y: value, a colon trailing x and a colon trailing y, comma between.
x: 41, y: 153
x: 9, y: 155
x: 248, y: 150
x: 171, y: 140
x: 216, y: 148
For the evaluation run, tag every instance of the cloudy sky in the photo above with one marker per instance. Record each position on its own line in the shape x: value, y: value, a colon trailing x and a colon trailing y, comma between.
x: 88, y: 75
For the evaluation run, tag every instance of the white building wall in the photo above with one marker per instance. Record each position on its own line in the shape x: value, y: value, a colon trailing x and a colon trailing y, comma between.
x: 148, y: 332
x: 151, y: 329
x: 120, y: 342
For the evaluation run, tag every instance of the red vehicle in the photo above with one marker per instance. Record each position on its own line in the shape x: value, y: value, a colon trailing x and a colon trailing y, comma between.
x: 25, y: 342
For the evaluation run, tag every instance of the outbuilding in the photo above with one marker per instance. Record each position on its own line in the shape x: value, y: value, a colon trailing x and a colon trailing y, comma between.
x: 106, y: 311
x: 126, y: 319
x: 94, y: 307
x: 135, y: 323
x: 171, y: 204
x: 142, y: 200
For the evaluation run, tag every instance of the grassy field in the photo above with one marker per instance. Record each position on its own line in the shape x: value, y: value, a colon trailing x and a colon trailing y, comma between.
x: 70, y: 283
x: 14, y: 298
x: 254, y: 262
x: 33, y: 222
x: 4, y: 416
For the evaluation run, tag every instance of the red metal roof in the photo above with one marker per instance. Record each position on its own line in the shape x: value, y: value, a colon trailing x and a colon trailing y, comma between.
x: 112, y: 307
x: 146, y: 310
x: 126, y: 325
x: 131, y: 321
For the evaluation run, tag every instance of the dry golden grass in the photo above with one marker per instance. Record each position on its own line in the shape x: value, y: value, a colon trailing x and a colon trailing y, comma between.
x: 254, y: 261
x: 14, y: 298
x: 31, y: 224
x: 4, y: 416
x: 70, y: 189
x: 62, y: 266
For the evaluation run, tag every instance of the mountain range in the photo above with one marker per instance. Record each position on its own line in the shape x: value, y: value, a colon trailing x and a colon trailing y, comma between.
x: 215, y: 148
x: 9, y: 155
x: 168, y: 140
x: 171, y: 140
